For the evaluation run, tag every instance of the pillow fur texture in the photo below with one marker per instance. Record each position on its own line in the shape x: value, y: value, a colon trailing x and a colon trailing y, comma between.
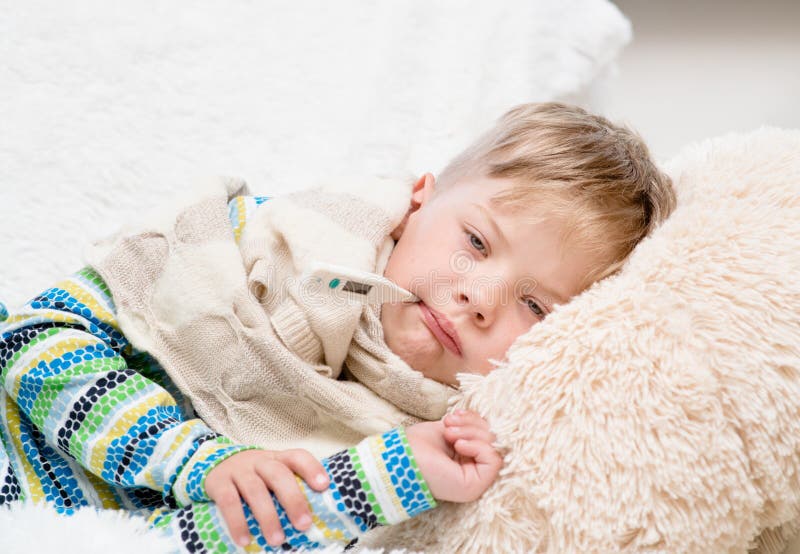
x: 659, y: 411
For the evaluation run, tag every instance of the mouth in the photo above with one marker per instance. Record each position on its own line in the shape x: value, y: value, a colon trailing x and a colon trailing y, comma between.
x: 442, y: 329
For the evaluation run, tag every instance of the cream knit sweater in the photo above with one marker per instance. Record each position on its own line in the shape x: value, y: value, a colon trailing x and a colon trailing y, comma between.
x: 262, y: 359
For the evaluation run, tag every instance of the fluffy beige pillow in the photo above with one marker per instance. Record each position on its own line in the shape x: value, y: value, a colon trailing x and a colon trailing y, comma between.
x: 660, y: 410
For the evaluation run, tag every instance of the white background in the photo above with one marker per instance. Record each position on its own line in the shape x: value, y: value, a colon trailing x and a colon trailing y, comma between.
x: 700, y: 68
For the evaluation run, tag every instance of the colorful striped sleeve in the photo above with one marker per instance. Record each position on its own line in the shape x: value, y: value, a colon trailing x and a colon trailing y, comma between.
x: 374, y: 483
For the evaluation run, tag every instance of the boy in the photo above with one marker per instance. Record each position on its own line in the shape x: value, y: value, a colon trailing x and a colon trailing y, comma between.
x: 546, y: 203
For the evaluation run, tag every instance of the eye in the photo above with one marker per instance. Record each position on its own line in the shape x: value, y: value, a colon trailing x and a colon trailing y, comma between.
x: 535, y: 308
x: 476, y: 242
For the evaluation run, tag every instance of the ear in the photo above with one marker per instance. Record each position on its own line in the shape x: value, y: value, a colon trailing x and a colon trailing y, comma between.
x: 420, y: 194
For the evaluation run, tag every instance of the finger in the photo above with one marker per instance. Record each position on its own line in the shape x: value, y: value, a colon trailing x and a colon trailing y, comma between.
x: 461, y: 418
x: 304, y: 464
x: 229, y: 503
x: 283, y: 483
x: 481, y: 452
x: 255, y: 493
x: 480, y: 465
x: 469, y: 432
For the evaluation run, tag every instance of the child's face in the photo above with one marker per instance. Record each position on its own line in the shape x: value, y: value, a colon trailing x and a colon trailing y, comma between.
x: 480, y: 287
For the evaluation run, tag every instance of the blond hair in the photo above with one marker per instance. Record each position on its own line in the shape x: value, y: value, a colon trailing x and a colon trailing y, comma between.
x: 564, y: 162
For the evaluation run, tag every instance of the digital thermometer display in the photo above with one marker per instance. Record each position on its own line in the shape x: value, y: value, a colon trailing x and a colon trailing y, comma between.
x: 368, y: 287
x: 359, y: 288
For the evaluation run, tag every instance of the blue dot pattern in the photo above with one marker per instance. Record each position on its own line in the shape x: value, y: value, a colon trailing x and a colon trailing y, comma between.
x: 397, y: 491
x: 405, y: 475
x: 349, y: 491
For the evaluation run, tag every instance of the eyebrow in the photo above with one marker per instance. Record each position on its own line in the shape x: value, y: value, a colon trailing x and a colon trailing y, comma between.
x: 558, y: 298
x: 493, y: 223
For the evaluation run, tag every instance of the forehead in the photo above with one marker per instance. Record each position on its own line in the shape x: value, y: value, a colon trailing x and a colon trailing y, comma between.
x: 488, y: 195
x: 474, y: 187
x: 536, y: 249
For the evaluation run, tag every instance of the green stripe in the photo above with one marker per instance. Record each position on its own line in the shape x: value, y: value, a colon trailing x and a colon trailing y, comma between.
x: 365, y: 485
x: 41, y: 336
x: 99, y: 413
x: 205, y: 525
x: 53, y: 386
x: 93, y: 277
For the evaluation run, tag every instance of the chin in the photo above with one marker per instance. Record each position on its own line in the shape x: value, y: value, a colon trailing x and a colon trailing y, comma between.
x: 412, y: 357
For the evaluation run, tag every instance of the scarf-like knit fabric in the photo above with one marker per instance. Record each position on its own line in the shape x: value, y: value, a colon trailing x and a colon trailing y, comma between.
x: 265, y: 357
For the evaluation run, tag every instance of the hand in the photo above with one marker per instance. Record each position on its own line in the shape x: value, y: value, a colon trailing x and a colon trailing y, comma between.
x: 455, y: 455
x: 251, y: 475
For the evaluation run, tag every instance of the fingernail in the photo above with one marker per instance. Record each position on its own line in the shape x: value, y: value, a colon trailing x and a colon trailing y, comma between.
x: 244, y: 540
x: 277, y: 539
x: 304, y: 521
x: 460, y: 412
x: 321, y: 480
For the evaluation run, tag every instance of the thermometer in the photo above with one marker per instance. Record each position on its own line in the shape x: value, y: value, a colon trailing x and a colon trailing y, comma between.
x: 369, y: 288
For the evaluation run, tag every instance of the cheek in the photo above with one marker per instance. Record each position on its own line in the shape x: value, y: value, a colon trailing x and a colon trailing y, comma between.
x: 400, y: 328
x: 424, y: 254
x: 389, y: 322
x: 504, y: 337
x: 407, y: 337
x: 402, y: 264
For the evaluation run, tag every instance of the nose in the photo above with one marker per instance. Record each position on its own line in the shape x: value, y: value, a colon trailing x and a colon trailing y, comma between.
x: 480, y: 304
